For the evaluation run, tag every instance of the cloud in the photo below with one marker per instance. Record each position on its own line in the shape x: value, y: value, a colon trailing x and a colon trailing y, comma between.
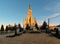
x: 53, y: 6
x: 54, y: 15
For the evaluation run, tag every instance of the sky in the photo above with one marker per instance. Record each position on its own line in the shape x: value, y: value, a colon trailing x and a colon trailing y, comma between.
x: 15, y: 11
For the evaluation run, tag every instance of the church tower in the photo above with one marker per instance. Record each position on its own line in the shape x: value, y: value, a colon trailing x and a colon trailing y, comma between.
x: 29, y: 15
x: 29, y: 20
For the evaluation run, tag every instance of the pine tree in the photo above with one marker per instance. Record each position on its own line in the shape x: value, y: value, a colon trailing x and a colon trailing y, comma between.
x: 36, y: 26
x: 7, y: 28
x: 15, y: 27
x: 2, y: 28
x: 27, y: 27
x: 44, y: 26
x: 19, y: 26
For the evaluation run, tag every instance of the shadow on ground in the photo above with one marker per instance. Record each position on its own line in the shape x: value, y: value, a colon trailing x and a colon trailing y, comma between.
x: 57, y: 36
x: 11, y: 36
x: 54, y: 35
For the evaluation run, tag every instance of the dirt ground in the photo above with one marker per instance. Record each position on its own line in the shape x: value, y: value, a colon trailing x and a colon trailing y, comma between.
x: 30, y: 38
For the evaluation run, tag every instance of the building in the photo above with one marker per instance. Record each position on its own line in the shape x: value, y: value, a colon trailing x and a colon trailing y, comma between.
x: 29, y: 20
x: 52, y: 27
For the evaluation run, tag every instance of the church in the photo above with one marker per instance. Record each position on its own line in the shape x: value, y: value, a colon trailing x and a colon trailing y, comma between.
x: 29, y: 20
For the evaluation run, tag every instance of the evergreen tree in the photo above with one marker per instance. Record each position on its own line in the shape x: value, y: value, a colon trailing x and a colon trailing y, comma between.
x: 27, y: 27
x: 15, y: 27
x: 36, y: 26
x: 44, y: 26
x: 19, y: 26
x: 2, y: 28
x: 57, y: 31
x: 7, y: 28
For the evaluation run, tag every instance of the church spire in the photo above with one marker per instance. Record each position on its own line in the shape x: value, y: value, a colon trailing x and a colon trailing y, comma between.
x: 30, y: 6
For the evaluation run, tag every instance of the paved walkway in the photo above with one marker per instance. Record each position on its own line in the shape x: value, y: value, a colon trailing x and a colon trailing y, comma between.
x: 30, y: 38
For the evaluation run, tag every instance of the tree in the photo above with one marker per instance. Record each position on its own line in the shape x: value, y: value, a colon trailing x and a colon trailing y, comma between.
x: 58, y: 25
x: 19, y: 26
x: 2, y: 28
x: 15, y: 27
x: 44, y: 26
x: 7, y: 28
x: 36, y: 26
x: 57, y: 31
x: 27, y: 27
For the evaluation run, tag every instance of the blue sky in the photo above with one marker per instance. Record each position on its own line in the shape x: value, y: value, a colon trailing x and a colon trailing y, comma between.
x: 14, y: 11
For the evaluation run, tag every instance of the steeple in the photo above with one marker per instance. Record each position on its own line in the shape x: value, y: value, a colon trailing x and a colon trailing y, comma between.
x: 30, y: 6
x: 29, y: 11
x: 29, y: 15
x: 30, y: 21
